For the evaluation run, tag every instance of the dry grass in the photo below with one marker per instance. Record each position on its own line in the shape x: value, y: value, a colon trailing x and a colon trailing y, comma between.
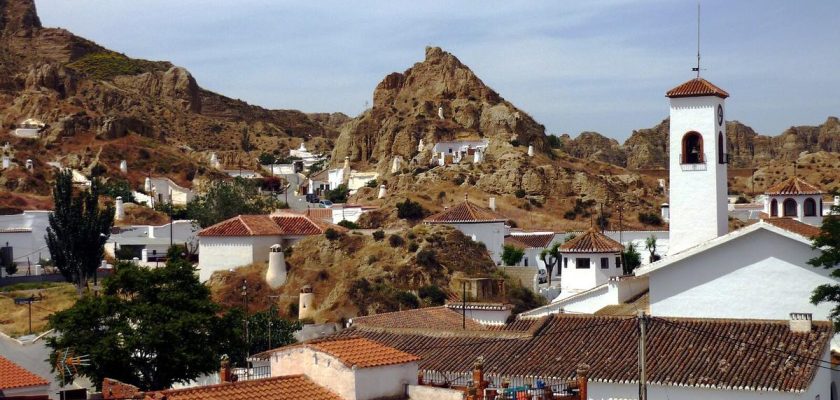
x: 14, y: 319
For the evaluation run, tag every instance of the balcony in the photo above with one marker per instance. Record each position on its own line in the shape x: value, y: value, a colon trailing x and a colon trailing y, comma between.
x: 693, y: 162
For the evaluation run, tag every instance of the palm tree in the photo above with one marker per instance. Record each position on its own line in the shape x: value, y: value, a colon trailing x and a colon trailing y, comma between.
x: 551, y: 257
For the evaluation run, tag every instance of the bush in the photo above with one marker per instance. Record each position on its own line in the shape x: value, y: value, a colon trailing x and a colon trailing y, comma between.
x: 570, y: 215
x: 378, y: 235
x: 372, y: 183
x: 524, y: 299
x: 338, y: 195
x: 331, y: 234
x: 432, y: 295
x: 410, y: 235
x: 11, y: 268
x: 519, y: 193
x: 413, y: 246
x: 372, y: 259
x: 411, y: 210
x: 650, y: 218
x: 554, y: 142
x: 348, y: 224
x: 266, y: 159
x: 407, y: 299
x: 426, y: 258
x: 395, y: 240
x: 512, y: 255
x: 632, y: 259
x: 741, y: 200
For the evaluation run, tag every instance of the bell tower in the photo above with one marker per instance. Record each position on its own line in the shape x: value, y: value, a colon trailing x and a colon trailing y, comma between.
x: 698, y: 159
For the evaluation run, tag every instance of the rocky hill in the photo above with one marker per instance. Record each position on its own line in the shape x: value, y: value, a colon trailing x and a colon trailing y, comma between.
x: 101, y: 106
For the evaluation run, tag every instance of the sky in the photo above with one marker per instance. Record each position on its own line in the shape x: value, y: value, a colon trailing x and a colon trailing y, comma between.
x: 595, y: 65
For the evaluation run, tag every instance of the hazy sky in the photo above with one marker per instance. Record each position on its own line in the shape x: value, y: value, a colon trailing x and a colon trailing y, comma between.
x: 573, y: 65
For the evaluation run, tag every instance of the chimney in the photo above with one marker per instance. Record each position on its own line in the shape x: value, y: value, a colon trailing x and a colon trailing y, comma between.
x: 582, y: 380
x: 530, y: 150
x: 381, y: 192
x: 8, y: 162
x: 492, y: 203
x: 29, y: 164
x: 665, y: 210
x: 225, y: 374
x: 119, y: 212
x: 420, y: 146
x: 800, y: 322
x: 306, y: 305
x: 275, y: 276
x: 123, y: 166
x: 836, y: 201
x: 346, y: 162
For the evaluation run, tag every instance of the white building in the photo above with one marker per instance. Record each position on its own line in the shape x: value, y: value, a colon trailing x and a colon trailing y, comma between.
x: 698, y: 202
x: 533, y: 243
x: 797, y: 199
x: 164, y: 191
x: 30, y: 129
x: 150, y: 242
x: 26, y: 234
x: 247, y: 239
x: 587, y: 261
x: 359, y: 179
x: 481, y: 224
x: 457, y: 150
x: 306, y: 156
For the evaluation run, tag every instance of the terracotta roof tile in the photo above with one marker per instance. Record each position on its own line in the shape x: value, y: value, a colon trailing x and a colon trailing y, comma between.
x: 527, y: 241
x: 465, y: 212
x: 296, y: 225
x: 265, y: 225
x: 681, y: 352
x: 591, y: 241
x: 431, y: 318
x: 292, y: 387
x: 794, y: 226
x: 363, y: 353
x: 697, y: 87
x: 793, y: 185
x: 14, y: 376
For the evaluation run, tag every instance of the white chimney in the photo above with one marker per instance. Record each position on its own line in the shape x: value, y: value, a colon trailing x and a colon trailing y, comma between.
x: 306, y: 304
x: 123, y: 166
x: 440, y: 112
x: 492, y: 203
x: 396, y: 164
x: 309, y: 188
x: 381, y: 192
x: 442, y: 159
x: 119, y: 212
x: 275, y: 276
x: 665, y: 210
x: 347, y: 163
x: 420, y: 146
x: 477, y: 156
x: 530, y: 150
x: 29, y: 164
x: 6, y: 162
x: 836, y: 201
x: 214, y: 161
x: 147, y: 186
x: 800, y: 322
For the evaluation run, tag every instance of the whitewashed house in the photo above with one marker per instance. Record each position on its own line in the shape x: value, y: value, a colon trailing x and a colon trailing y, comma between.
x: 797, y: 199
x: 454, y: 151
x: 247, y: 239
x: 587, y: 261
x: 25, y: 233
x: 481, y: 224
x: 150, y: 242
x: 533, y: 243
x: 164, y: 191
x: 306, y: 156
x: 30, y: 129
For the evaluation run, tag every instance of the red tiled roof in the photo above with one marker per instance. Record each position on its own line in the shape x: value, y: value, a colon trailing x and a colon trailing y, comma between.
x: 794, y: 226
x: 697, y: 87
x: 539, y: 240
x: 265, y: 225
x: 591, y: 241
x: 14, y: 376
x: 422, y: 318
x: 793, y: 185
x: 363, y: 353
x: 465, y: 212
x: 680, y: 352
x: 292, y: 387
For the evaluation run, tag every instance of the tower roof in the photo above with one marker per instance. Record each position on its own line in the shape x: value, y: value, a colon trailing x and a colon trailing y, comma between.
x: 697, y: 87
x: 591, y: 241
x: 793, y: 185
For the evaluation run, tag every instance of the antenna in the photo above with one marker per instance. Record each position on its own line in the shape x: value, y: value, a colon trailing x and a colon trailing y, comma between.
x: 697, y: 69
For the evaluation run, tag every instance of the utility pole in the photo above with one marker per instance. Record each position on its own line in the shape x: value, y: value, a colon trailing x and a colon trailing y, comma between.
x: 464, y: 306
x: 642, y: 372
x: 247, y: 338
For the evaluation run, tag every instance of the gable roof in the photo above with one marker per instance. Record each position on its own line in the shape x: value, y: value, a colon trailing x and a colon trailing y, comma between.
x: 783, y: 228
x: 363, y: 353
x: 528, y: 241
x: 705, y: 353
x: 792, y: 225
x: 432, y: 318
x: 695, y: 88
x: 465, y: 212
x: 591, y: 241
x: 13, y: 376
x: 265, y: 225
x: 292, y: 387
x: 794, y: 186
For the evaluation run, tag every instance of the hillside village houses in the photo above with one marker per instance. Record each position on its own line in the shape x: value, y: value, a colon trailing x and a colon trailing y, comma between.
x: 481, y: 224
x: 163, y: 190
x: 448, y: 152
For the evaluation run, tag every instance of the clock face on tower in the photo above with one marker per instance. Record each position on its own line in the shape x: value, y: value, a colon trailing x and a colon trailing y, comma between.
x: 720, y: 115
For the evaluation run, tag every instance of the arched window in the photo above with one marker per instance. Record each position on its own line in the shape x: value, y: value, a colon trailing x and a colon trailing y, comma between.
x: 722, y: 155
x: 774, y: 208
x: 692, y: 148
x: 810, y: 207
x: 789, y: 207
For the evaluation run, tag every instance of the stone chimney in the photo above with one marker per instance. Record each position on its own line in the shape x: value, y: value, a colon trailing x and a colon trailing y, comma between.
x: 381, y: 192
x: 800, y: 322
x: 225, y: 374
x: 119, y: 210
x: 123, y: 166
x: 492, y: 203
x: 306, y: 305
x: 275, y: 276
x: 530, y: 150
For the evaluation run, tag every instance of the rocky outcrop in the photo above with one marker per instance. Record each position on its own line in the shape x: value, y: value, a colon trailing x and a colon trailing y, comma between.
x: 18, y: 18
x: 648, y: 148
x: 176, y: 85
x: 52, y: 77
x: 594, y: 146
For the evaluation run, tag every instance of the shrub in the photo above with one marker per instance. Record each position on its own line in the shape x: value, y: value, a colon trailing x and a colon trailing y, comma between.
x: 323, y: 275
x: 519, y: 193
x: 395, y: 240
x: 11, y: 268
x: 570, y: 215
x: 378, y: 235
x: 339, y: 194
x: 650, y: 218
x: 266, y: 159
x: 554, y: 142
x: 348, y: 224
x: 432, y: 295
x: 410, y: 235
x: 426, y: 258
x: 407, y: 299
x: 514, y: 143
x: 331, y: 234
x: 741, y: 200
x: 512, y: 255
x: 413, y: 246
x: 632, y: 259
x: 410, y: 210
x: 372, y: 183
x: 372, y: 259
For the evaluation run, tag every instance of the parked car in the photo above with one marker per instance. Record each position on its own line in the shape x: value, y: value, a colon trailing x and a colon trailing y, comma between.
x: 312, y: 198
x: 325, y: 204
x: 542, y: 276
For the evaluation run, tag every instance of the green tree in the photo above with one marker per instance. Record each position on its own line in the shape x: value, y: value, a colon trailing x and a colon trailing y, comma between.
x: 266, y: 158
x: 511, y: 255
x: 78, y: 230
x: 149, y: 327
x: 410, y: 210
x: 261, y: 323
x: 227, y: 199
x: 523, y: 299
x: 551, y: 257
x: 828, y: 241
x: 650, y: 246
x: 432, y: 295
x: 632, y: 259
x: 339, y: 194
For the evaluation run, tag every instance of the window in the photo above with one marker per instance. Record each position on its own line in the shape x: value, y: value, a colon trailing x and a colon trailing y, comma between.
x: 605, y: 262
x: 774, y: 208
x: 810, y: 207
x: 582, y: 263
x: 618, y: 262
x: 723, y: 157
x: 565, y: 262
x: 692, y: 148
x: 789, y: 208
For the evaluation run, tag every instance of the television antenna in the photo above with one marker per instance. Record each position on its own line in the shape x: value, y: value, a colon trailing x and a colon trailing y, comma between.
x: 67, y: 364
x: 697, y: 68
